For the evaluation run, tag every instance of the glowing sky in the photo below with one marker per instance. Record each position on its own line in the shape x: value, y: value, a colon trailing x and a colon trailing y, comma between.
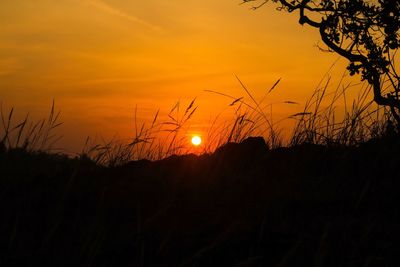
x: 100, y: 58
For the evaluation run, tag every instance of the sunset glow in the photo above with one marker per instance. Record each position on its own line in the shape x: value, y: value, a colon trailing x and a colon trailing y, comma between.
x: 196, y: 140
x: 99, y: 59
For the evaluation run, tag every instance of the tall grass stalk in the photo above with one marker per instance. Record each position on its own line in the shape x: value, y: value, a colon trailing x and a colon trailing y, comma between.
x: 253, y: 117
x: 29, y: 135
x: 153, y: 141
x: 319, y: 122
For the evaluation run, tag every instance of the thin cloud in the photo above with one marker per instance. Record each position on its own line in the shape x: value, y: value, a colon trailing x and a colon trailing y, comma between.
x: 116, y: 12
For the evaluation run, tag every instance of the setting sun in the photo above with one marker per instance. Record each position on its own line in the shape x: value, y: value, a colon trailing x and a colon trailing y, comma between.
x: 196, y: 140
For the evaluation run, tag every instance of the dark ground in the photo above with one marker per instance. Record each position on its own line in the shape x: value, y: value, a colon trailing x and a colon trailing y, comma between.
x: 244, y: 205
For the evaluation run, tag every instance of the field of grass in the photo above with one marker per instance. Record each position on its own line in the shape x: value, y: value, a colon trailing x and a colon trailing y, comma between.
x: 325, y: 196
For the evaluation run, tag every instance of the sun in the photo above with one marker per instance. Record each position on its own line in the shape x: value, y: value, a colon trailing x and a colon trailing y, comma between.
x: 196, y: 140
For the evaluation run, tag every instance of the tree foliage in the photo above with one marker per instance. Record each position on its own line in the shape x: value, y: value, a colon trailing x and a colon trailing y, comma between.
x: 366, y: 32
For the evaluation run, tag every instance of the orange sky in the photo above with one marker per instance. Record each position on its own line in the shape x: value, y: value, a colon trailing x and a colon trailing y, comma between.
x: 100, y: 58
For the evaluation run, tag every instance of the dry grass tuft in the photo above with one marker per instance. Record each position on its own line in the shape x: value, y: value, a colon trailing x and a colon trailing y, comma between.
x: 318, y: 123
x: 29, y: 135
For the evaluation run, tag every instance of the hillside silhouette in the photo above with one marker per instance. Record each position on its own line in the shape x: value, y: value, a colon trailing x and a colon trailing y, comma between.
x: 243, y: 205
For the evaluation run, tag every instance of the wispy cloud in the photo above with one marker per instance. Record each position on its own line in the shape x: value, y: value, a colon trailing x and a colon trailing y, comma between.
x: 99, y: 4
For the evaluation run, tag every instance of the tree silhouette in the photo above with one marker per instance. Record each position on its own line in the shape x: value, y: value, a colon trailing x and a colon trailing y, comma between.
x: 366, y: 32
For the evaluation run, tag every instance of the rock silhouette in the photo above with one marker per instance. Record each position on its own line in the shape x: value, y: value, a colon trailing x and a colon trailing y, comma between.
x: 242, y: 205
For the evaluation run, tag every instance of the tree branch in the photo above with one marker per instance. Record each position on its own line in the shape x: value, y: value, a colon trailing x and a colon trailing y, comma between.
x: 344, y: 53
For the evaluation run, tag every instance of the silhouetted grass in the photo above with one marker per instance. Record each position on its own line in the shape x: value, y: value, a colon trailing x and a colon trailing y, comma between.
x: 251, y: 118
x: 360, y: 120
x: 319, y: 122
x: 306, y: 205
x: 153, y: 141
x: 29, y: 135
x: 326, y: 196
